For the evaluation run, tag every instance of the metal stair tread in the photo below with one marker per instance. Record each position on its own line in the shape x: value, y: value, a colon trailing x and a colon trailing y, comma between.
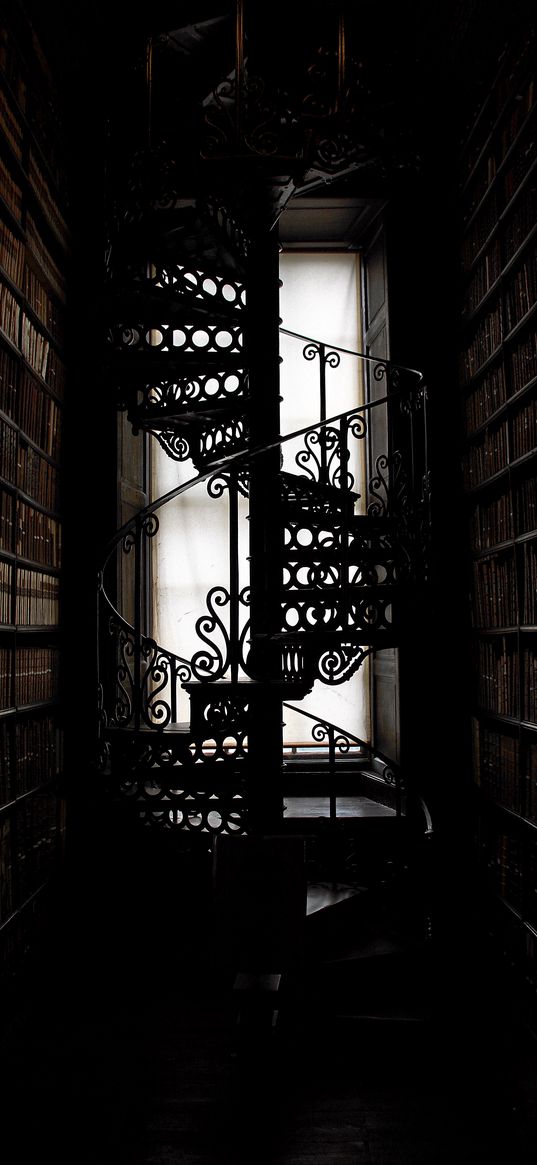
x: 160, y: 418
x: 257, y: 687
x: 162, y: 306
x: 190, y: 235
x: 157, y: 359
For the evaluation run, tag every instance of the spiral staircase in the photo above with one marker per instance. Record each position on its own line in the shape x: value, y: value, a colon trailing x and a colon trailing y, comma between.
x: 335, y: 573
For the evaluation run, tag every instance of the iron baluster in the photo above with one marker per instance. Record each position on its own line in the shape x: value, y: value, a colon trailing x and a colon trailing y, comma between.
x: 138, y: 600
x: 173, y: 691
x: 234, y: 638
x: 332, y: 771
x: 323, y: 475
x: 345, y: 532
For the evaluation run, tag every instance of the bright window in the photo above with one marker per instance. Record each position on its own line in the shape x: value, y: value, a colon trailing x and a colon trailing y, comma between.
x: 319, y: 298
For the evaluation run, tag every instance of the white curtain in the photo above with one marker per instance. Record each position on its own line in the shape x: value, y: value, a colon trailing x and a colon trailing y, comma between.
x: 319, y: 298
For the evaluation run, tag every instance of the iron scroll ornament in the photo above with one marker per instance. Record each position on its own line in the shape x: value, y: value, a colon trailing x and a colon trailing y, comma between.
x: 212, y: 662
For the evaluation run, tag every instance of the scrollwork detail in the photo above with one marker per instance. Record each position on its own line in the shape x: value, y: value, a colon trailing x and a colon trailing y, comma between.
x: 340, y: 662
x: 173, y: 443
x: 211, y: 664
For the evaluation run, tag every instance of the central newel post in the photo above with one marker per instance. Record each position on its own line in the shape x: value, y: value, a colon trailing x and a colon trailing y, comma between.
x: 265, y: 712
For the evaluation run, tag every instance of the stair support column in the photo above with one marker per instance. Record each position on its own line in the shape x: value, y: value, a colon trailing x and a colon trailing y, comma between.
x: 265, y: 718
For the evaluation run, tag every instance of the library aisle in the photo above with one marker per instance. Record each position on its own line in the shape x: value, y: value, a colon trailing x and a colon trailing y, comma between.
x: 126, y: 1051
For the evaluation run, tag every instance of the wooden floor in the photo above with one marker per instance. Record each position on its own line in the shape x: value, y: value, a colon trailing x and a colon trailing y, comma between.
x: 345, y: 807
x: 124, y: 1050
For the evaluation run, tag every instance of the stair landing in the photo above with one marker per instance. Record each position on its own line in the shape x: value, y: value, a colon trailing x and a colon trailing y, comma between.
x: 317, y: 806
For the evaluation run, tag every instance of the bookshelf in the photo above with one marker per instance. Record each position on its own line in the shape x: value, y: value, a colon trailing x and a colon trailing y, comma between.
x: 498, y: 393
x: 34, y: 265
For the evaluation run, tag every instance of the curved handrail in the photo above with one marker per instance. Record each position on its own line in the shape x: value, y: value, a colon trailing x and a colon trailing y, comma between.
x: 392, y: 766
x: 243, y: 456
x: 351, y: 352
x: 345, y: 732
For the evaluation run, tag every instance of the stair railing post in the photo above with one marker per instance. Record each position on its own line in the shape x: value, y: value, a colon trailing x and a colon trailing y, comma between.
x: 233, y: 575
x: 332, y: 827
x: 138, y: 600
x: 265, y: 796
x: 322, y: 413
x: 344, y: 535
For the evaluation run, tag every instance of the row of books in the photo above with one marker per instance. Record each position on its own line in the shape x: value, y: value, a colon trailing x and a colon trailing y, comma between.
x: 479, y: 231
x: 524, y: 156
x: 47, y: 201
x: 12, y: 255
x: 489, y: 395
x: 55, y: 377
x: 521, y: 221
x: 34, y: 347
x: 36, y: 598
x: 531, y: 780
x: 37, y: 536
x: 37, y: 842
x: 511, y: 861
x: 44, y: 259
x: 486, y: 339
x: 31, y: 754
x: 484, y: 182
x: 521, y: 291
x: 37, y: 477
x: 530, y: 585
x: 6, y: 520
x: 38, y: 415
x: 10, y: 191
x: 524, y: 430
x: 11, y: 126
x: 512, y: 100
x: 29, y: 848
x: 506, y: 770
x: 529, y: 689
x: 28, y: 675
x: 25, y: 469
x: 486, y: 457
x: 12, y: 67
x: 36, y: 99
x: 8, y: 452
x: 492, y: 523
x: 10, y: 314
x: 24, y: 399
x: 485, y: 275
x: 523, y: 360
x: 9, y: 369
x: 32, y: 207
x: 518, y: 222
x: 44, y: 305
x: 497, y: 676
x: 496, y: 766
x: 495, y: 592
x: 6, y: 598
x: 494, y: 390
x: 515, y: 117
x: 526, y: 505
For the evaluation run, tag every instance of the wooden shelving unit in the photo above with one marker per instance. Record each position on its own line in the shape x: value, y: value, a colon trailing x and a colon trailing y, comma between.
x: 34, y: 263
x: 498, y: 383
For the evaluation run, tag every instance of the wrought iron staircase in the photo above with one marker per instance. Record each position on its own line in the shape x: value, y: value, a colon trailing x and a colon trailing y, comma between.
x: 191, y: 745
x: 179, y: 362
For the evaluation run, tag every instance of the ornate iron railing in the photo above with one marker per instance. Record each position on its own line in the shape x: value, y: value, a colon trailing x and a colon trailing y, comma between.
x: 338, y: 742
x: 392, y: 495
